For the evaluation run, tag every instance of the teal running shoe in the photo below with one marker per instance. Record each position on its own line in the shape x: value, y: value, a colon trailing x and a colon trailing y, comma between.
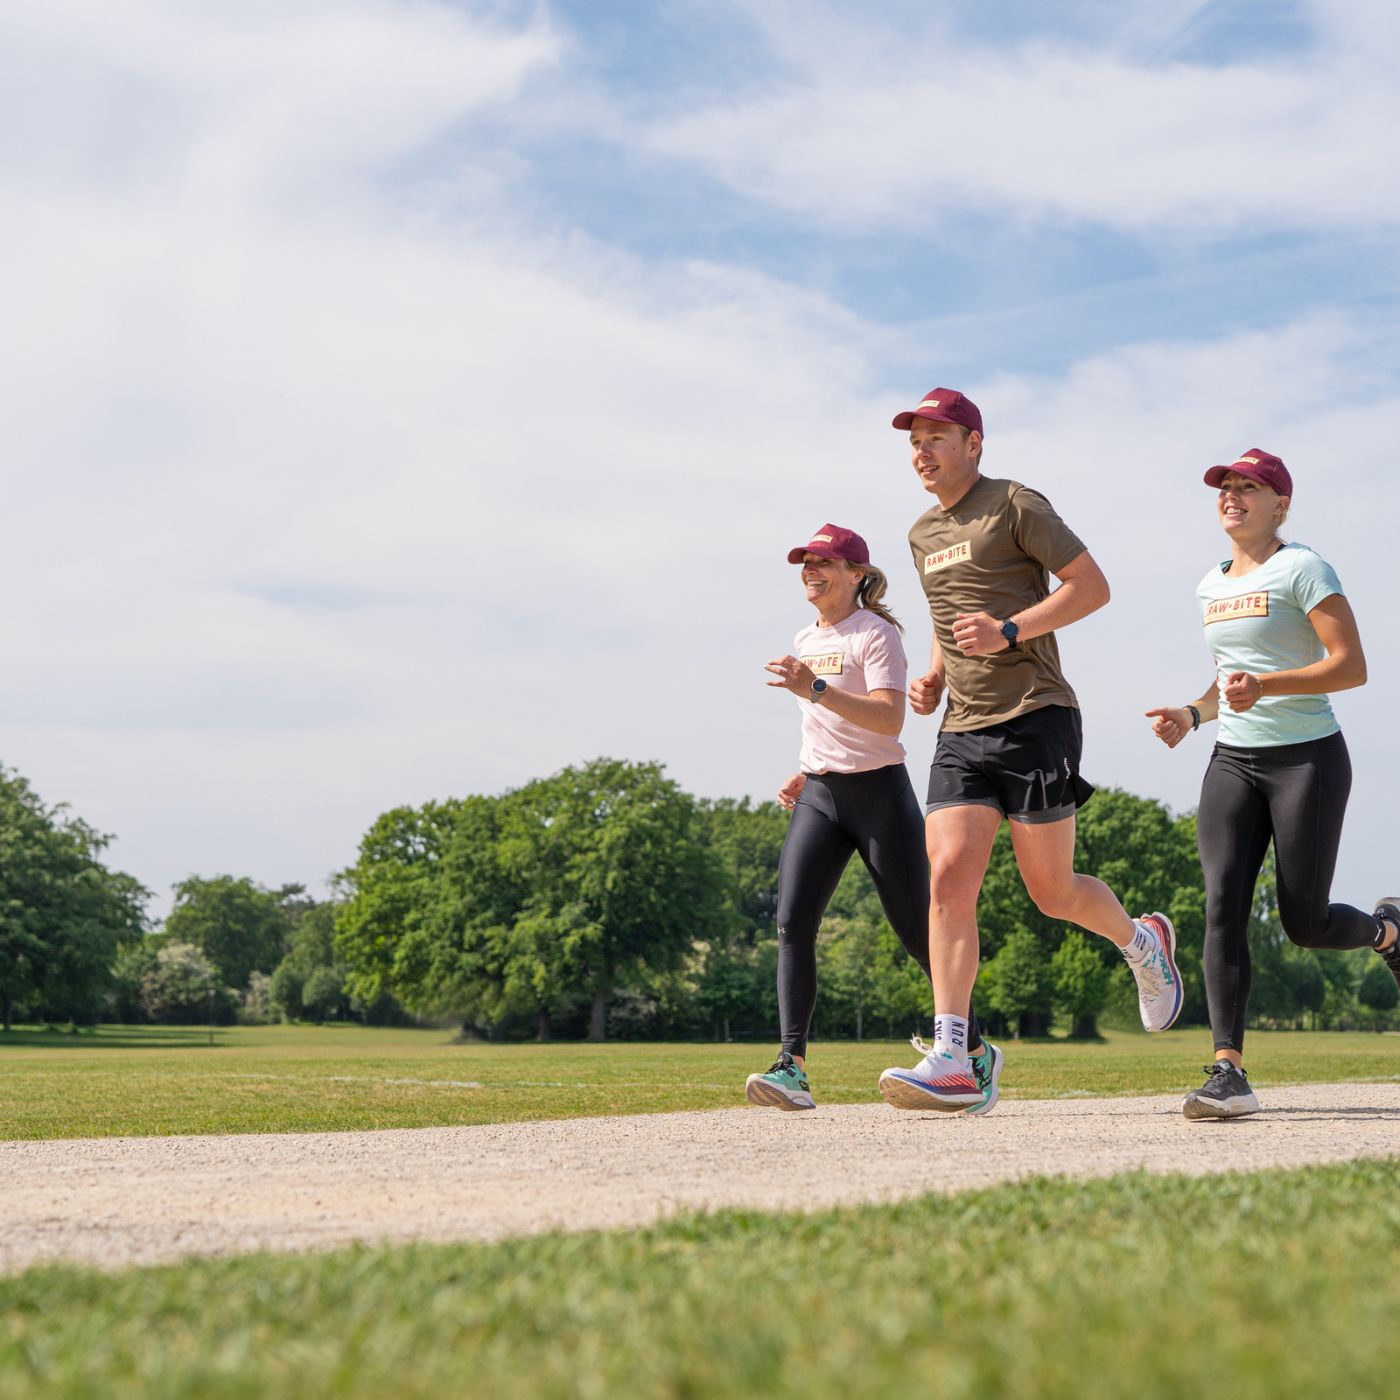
x: 783, y: 1085
x: 986, y: 1070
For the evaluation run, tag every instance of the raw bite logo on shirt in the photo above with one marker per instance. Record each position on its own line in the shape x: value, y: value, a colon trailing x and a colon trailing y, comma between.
x: 829, y: 665
x: 944, y: 557
x: 1241, y: 605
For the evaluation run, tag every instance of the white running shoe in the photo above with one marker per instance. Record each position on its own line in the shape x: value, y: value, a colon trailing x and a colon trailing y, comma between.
x: 1158, y: 981
x: 938, y: 1081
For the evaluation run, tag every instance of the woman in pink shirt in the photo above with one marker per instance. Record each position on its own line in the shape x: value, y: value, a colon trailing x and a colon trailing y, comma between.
x: 852, y: 793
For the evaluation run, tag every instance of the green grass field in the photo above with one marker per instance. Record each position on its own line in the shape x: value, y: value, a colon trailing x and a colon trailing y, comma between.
x: 1275, y: 1285
x: 151, y: 1081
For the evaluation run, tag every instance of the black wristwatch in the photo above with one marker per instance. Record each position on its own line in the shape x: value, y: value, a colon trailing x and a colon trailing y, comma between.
x: 1010, y: 631
x: 818, y: 689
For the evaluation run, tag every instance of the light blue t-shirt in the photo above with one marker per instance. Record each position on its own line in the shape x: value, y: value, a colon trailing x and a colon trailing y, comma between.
x: 1259, y: 623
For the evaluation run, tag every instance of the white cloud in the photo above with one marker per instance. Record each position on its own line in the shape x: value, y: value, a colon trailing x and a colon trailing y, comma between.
x: 321, y: 504
x: 900, y: 127
x: 231, y: 102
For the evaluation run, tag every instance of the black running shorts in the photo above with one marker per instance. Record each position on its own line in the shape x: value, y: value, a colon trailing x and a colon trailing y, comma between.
x: 1027, y: 768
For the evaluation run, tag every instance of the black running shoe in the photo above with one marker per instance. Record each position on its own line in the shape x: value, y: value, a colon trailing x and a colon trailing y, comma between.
x: 1225, y: 1094
x: 1389, y: 910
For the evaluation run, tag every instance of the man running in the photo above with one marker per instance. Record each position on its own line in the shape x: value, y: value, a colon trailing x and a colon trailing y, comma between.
x: 1011, y: 736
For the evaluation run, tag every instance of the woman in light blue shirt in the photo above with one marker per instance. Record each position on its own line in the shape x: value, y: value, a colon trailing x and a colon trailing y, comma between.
x: 1283, y: 637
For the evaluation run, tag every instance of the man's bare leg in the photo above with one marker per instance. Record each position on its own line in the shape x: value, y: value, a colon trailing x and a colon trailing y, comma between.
x: 951, y: 1077
x: 1045, y: 857
x: 959, y: 847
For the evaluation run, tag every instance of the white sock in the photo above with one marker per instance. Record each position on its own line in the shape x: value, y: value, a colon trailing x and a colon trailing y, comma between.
x: 1141, y: 944
x: 950, y: 1034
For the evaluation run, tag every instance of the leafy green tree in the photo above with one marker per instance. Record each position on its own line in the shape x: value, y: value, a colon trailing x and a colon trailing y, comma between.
x: 1378, y: 991
x: 730, y: 975
x: 1017, y: 982
x: 322, y: 993
x: 284, y: 990
x: 747, y: 839
x: 727, y: 985
x: 1306, y: 982
x: 257, y: 1008
x: 394, y: 929
x: 543, y: 960
x: 241, y: 927
x: 184, y: 987
x: 1342, y: 973
x: 129, y: 968
x: 622, y: 848
x: 863, y: 968
x: 849, y: 972
x: 63, y: 915
x: 312, y: 961
x: 1080, y: 976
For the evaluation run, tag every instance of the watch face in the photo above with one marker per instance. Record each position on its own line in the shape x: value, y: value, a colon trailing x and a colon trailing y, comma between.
x: 818, y: 685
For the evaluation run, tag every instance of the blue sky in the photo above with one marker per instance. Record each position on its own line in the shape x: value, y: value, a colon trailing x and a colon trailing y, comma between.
x: 414, y: 397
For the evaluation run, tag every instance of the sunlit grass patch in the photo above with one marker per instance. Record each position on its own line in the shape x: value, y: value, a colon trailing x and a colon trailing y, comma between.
x: 124, y: 1081
x: 1271, y: 1285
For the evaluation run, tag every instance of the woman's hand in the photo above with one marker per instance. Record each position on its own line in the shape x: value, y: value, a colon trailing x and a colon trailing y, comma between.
x: 792, y: 674
x: 1170, y: 724
x: 791, y: 791
x: 1241, y: 691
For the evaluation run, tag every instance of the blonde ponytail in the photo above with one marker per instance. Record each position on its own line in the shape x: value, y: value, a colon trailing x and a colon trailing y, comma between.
x: 871, y: 589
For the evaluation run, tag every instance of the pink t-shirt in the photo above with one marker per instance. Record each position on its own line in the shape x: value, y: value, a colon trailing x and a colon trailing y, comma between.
x: 859, y: 655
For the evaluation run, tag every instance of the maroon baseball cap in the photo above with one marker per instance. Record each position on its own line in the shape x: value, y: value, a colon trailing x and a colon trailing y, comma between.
x: 832, y: 542
x: 1259, y: 466
x: 943, y: 406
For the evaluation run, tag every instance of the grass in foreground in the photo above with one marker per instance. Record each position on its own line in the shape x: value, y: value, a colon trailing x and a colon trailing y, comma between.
x: 155, y: 1081
x: 1273, y: 1285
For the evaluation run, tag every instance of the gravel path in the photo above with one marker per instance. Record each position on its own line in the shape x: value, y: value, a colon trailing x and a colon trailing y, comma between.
x: 114, y: 1202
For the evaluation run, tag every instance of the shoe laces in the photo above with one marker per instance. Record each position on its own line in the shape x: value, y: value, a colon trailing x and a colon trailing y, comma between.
x: 784, y: 1064
x: 1221, y: 1069
x: 934, y: 1056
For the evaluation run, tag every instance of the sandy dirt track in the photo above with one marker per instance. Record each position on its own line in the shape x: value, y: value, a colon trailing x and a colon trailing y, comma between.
x: 115, y: 1202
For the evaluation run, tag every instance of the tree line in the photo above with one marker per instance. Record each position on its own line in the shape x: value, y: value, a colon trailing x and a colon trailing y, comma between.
x: 602, y: 901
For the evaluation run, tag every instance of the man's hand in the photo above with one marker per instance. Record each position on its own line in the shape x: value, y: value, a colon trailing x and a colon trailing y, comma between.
x: 792, y: 674
x: 925, y: 692
x: 978, y: 634
x: 1171, y: 724
x: 1241, y: 691
x: 791, y: 791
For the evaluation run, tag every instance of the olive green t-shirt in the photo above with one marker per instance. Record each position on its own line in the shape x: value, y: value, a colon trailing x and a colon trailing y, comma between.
x: 994, y: 552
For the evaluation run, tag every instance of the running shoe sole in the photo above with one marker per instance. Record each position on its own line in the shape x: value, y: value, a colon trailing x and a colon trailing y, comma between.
x: 998, y: 1060
x: 767, y: 1095
x: 904, y: 1090
x: 1201, y: 1110
x: 1169, y: 944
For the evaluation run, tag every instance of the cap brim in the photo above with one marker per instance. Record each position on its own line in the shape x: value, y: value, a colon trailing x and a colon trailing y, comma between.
x: 905, y: 421
x: 1216, y: 475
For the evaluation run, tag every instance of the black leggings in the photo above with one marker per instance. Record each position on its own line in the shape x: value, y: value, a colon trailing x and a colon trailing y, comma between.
x: 1296, y: 794
x: 877, y: 814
